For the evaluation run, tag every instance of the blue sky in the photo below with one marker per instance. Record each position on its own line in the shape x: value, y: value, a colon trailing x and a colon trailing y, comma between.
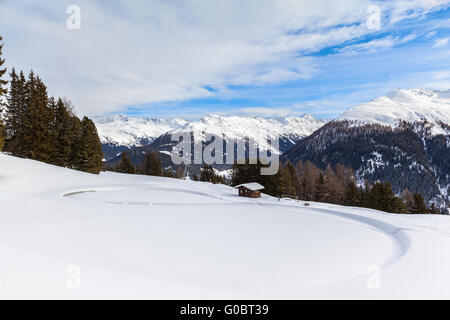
x: 191, y: 58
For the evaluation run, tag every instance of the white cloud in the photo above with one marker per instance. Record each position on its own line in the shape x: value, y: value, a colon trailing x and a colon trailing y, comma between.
x: 137, y: 52
x: 440, y: 43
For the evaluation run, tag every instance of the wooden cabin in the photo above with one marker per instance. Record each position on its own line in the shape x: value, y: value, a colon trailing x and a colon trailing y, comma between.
x: 250, y: 190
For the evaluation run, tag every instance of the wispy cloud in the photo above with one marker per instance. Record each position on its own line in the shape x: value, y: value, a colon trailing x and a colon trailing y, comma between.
x: 376, y: 45
x: 440, y: 43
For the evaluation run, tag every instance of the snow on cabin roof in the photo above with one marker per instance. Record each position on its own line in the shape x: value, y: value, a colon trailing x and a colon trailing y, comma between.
x: 253, y: 186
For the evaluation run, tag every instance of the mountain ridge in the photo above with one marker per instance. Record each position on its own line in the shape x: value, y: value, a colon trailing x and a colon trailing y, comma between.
x: 120, y: 132
x: 413, y: 105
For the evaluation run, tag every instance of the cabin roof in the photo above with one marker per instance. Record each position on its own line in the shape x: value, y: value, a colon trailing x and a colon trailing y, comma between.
x: 253, y: 186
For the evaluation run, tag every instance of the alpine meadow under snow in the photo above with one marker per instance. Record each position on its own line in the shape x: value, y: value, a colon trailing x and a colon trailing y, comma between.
x: 132, y: 236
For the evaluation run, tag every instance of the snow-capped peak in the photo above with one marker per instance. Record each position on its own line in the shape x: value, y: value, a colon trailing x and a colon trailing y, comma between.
x: 124, y: 130
x: 408, y: 105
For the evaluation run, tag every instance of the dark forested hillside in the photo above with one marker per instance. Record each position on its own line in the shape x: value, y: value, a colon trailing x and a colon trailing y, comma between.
x: 407, y: 156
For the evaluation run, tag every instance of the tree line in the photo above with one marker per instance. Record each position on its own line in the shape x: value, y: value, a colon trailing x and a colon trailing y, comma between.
x: 151, y: 166
x: 36, y: 126
x: 336, y: 185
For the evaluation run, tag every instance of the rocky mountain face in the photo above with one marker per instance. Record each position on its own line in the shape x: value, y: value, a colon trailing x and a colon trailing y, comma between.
x: 403, y: 138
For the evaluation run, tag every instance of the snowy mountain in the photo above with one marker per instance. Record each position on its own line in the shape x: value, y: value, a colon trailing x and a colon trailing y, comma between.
x: 258, y: 128
x: 415, y: 105
x: 66, y: 234
x: 120, y: 132
x: 403, y: 138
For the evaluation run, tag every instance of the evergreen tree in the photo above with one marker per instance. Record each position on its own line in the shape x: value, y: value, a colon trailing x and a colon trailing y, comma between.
x: 16, y: 117
x: 2, y: 94
x: 92, y: 155
x: 152, y: 164
x: 353, y: 195
x: 321, y: 189
x: 419, y: 204
x: 382, y: 197
x: 289, y: 177
x: 125, y: 165
x: 207, y: 174
x: 245, y: 173
x: 38, y: 136
x: 76, y: 148
x: 62, y: 138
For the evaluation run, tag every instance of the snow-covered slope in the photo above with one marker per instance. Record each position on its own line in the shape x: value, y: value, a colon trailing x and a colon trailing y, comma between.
x: 409, y: 105
x: 133, y: 131
x: 66, y: 234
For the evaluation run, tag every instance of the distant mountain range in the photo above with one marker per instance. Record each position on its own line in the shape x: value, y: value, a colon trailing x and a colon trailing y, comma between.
x: 119, y: 132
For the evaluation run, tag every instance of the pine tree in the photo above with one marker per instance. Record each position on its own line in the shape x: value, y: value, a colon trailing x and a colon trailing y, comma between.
x: 31, y: 143
x: 92, y: 155
x: 321, y: 189
x: 382, y: 197
x: 76, y: 148
x: 289, y: 178
x: 207, y: 174
x: 62, y: 138
x: 3, y: 91
x: 152, y: 164
x: 353, y: 195
x: 125, y: 165
x: 394, y: 204
x: 419, y: 204
x: 17, y: 116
